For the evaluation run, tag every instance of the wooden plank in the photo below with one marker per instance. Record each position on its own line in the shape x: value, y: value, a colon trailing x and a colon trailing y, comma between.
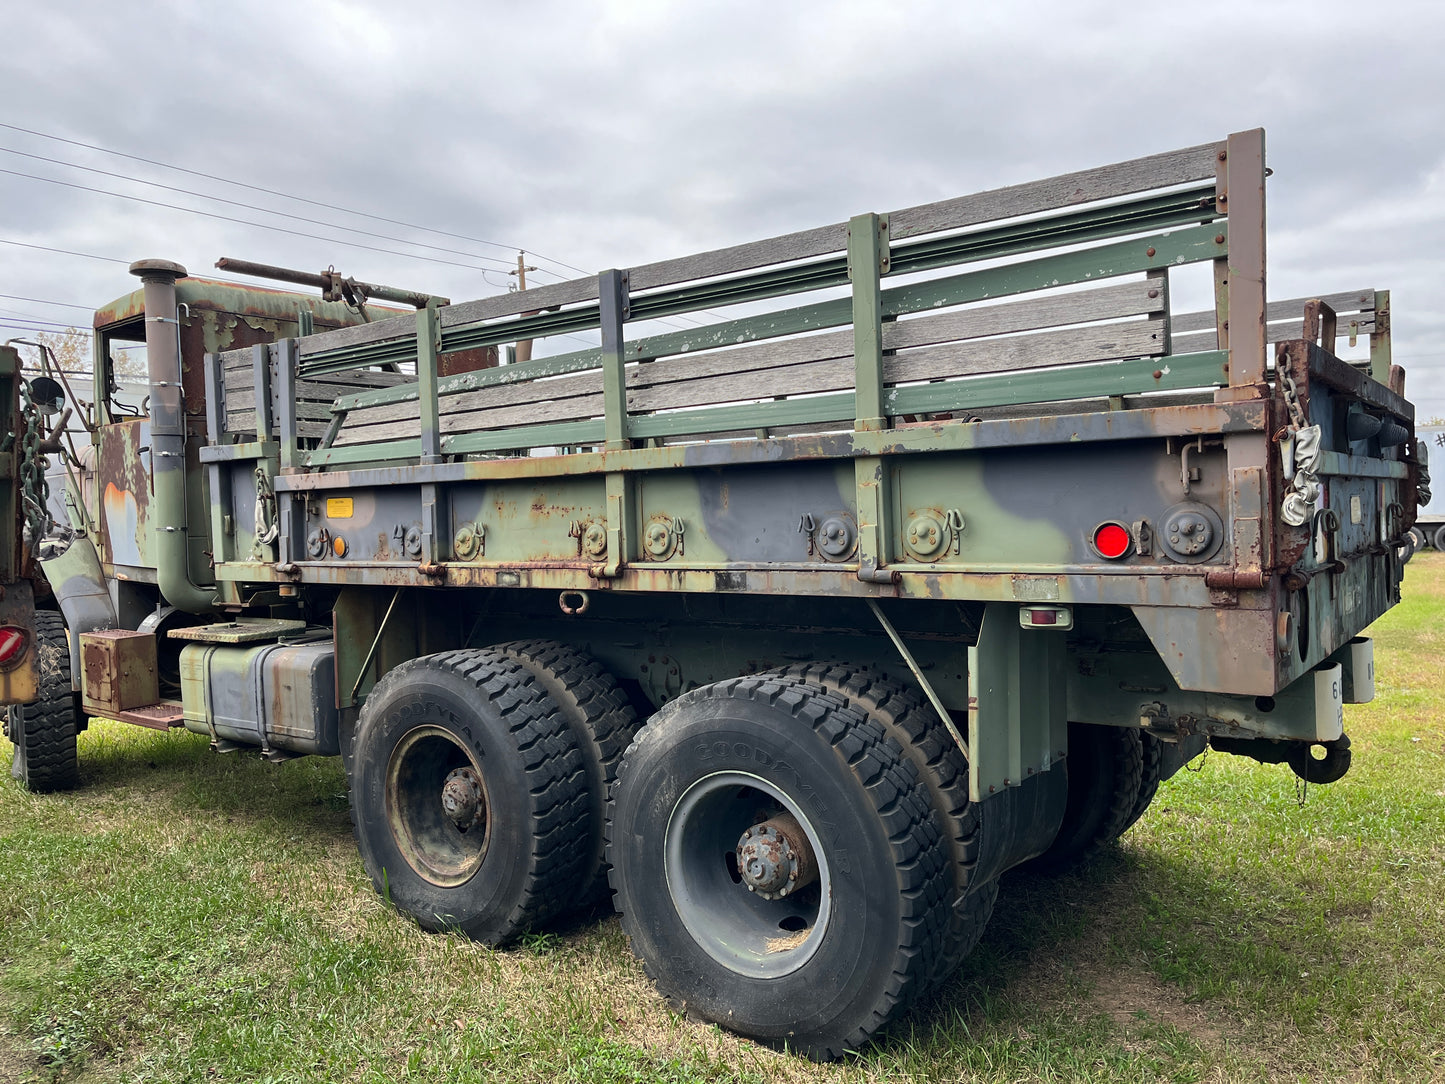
x: 1352, y: 301
x: 245, y: 401
x: 1275, y: 333
x: 545, y: 411
x: 1129, y: 377
x: 245, y: 422
x: 1084, y: 186
x: 968, y: 322
x: 1124, y: 178
x: 347, y: 381
x: 1140, y: 338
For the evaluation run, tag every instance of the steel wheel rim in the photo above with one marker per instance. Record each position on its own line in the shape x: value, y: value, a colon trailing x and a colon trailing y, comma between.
x: 753, y: 936
x: 433, y: 845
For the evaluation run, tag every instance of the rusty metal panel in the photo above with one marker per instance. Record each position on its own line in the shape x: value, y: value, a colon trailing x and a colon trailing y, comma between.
x: 118, y: 671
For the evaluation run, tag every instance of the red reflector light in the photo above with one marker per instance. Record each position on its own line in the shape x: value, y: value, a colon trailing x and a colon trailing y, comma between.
x: 13, y: 641
x: 1043, y: 617
x: 1112, y: 540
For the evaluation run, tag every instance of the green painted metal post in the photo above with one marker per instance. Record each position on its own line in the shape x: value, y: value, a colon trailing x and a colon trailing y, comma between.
x: 613, y: 304
x: 867, y: 261
x: 286, y: 405
x: 428, y: 342
x: 613, y: 308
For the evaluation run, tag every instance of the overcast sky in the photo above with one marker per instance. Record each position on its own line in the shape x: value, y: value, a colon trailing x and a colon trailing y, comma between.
x: 611, y: 134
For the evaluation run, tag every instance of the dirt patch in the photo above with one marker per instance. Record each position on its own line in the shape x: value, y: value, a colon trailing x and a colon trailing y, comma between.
x: 17, y: 1061
x: 1132, y: 998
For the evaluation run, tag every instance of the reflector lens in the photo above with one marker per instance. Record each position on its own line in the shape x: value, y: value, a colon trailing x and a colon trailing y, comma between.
x: 12, y: 645
x: 1111, y: 540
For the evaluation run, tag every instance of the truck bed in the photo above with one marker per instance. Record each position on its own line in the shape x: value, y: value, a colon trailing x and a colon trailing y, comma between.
x: 947, y: 402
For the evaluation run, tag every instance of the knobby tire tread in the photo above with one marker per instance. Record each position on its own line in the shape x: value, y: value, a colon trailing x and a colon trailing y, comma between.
x: 913, y: 723
x: 604, y: 724
x: 902, y: 805
x: 1149, y: 769
x: 1108, y: 805
x: 45, y: 757
x: 556, y: 779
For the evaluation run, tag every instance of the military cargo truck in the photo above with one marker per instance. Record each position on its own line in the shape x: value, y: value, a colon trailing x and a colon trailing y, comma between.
x: 928, y: 546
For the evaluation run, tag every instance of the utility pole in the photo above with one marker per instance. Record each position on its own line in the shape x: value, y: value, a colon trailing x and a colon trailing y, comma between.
x: 524, y: 346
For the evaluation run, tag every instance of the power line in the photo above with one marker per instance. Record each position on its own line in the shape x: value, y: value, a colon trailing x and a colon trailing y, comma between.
x: 285, y: 195
x: 244, y: 222
x: 284, y: 214
x: 38, y: 301
x: 247, y: 206
x: 64, y: 251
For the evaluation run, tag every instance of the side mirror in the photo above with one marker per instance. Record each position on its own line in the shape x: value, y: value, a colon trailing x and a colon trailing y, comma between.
x: 47, y: 395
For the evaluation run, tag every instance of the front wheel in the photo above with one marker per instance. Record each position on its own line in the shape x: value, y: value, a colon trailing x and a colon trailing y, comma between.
x: 777, y: 864
x: 44, y: 731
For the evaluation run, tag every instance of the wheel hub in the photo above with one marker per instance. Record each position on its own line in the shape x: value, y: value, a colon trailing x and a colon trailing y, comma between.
x: 774, y: 858
x: 462, y: 798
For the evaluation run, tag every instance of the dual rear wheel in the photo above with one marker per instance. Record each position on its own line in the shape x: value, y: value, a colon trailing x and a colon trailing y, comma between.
x: 790, y: 852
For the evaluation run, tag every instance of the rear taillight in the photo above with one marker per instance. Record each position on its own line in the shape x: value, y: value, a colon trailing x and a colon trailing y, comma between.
x: 1112, y: 540
x: 14, y: 642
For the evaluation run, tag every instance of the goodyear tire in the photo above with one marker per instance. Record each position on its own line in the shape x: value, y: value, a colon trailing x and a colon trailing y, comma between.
x: 469, y: 795
x: 913, y: 723
x: 1105, y: 765
x: 603, y: 724
x: 821, y: 969
x: 43, y: 731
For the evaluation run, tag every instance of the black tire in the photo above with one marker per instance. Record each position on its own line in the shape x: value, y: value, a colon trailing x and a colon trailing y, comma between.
x: 1438, y: 539
x: 603, y: 723
x: 43, y: 731
x: 819, y: 971
x: 474, y: 720
x: 914, y: 724
x: 1104, y: 766
x: 1151, y: 764
x: 1418, y: 541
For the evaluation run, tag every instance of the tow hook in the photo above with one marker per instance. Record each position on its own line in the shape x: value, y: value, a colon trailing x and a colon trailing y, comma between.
x: 1326, y: 769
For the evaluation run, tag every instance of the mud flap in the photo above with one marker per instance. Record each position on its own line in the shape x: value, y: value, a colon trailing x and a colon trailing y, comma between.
x: 1017, y: 701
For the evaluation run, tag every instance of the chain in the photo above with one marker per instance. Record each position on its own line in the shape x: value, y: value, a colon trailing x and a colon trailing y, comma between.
x: 1291, y: 399
x: 35, y: 490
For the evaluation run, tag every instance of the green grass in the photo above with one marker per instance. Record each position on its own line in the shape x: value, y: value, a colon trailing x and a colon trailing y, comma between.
x: 192, y: 917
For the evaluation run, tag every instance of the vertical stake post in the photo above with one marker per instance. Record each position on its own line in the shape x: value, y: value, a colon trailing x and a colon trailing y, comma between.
x: 428, y: 343
x: 1381, y: 355
x: 1246, y: 295
x: 613, y: 305
x: 867, y: 261
x: 286, y: 405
